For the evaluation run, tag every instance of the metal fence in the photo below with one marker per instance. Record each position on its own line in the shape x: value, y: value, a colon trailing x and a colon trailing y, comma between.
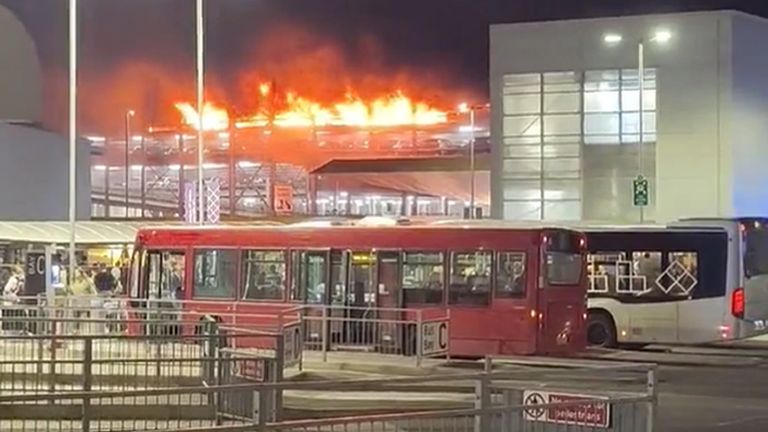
x: 485, y: 401
x: 415, y: 333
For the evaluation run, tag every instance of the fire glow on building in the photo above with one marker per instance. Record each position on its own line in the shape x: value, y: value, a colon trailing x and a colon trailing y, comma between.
x: 289, y: 110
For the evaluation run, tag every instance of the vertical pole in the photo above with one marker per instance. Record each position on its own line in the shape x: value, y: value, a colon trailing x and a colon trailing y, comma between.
x: 472, y: 164
x: 652, y: 388
x: 182, y: 177
x: 200, y: 108
x: 641, y: 82
x: 128, y: 115
x: 324, y: 338
x: 143, y: 178
x: 419, y: 340
x: 73, y: 135
x: 87, y: 382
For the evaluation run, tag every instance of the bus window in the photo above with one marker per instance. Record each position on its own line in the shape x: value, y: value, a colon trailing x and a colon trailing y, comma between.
x: 164, y: 274
x: 309, y: 271
x: 470, y: 281
x: 422, y: 277
x: 510, y: 274
x: 135, y: 272
x: 681, y: 275
x: 646, y: 269
x: 263, y: 275
x: 215, y: 273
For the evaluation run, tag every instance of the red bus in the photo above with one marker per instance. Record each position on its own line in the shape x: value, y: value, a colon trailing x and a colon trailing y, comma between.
x: 505, y: 290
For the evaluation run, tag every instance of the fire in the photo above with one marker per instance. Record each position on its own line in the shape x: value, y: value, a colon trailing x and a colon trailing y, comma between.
x: 214, y: 118
x: 291, y: 110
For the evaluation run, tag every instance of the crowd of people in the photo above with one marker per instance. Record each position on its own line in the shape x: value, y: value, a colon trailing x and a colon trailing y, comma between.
x: 91, y: 293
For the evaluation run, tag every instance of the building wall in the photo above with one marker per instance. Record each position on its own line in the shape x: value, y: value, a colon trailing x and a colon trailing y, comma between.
x: 689, y: 165
x: 34, y: 173
x: 20, y: 74
x: 748, y: 133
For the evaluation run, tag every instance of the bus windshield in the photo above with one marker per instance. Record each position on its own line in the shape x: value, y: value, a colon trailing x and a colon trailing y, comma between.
x: 756, y: 252
x: 564, y: 259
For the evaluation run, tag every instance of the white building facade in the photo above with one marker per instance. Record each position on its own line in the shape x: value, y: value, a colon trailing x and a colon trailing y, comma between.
x: 566, y: 118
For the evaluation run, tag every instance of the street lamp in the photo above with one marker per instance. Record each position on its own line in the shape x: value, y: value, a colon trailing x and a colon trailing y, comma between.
x: 72, y: 135
x: 200, y: 36
x: 471, y: 110
x: 659, y: 37
x: 128, y: 116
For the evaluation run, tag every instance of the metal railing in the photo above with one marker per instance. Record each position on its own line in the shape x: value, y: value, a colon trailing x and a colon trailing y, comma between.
x: 487, y: 401
x: 415, y: 333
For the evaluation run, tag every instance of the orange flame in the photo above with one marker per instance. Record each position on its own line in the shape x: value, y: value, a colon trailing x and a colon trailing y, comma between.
x: 395, y: 109
x: 214, y: 118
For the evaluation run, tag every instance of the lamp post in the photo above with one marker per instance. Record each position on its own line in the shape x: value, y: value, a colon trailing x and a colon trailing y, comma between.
x: 200, y: 36
x: 72, y: 135
x: 660, y: 37
x: 128, y: 116
x: 470, y: 109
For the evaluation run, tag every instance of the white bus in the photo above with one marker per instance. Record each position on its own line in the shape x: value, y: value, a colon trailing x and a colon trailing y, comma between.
x: 691, y: 282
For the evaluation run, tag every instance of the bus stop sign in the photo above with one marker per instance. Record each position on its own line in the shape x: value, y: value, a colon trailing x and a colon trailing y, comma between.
x: 640, y: 191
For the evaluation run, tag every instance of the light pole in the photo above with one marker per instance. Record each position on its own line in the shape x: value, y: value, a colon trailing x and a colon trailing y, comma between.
x: 128, y: 116
x: 472, y: 111
x: 660, y: 37
x: 72, y: 135
x: 200, y: 33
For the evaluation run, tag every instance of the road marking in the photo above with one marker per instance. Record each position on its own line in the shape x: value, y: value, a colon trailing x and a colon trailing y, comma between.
x: 742, y: 420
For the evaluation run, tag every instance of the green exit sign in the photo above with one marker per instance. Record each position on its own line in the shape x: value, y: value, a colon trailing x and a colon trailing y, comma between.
x: 640, y: 191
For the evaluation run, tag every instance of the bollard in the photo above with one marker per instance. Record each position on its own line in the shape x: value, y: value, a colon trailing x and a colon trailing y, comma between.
x: 482, y: 402
x: 87, y: 382
x: 419, y: 341
x: 652, y: 389
x: 324, y: 337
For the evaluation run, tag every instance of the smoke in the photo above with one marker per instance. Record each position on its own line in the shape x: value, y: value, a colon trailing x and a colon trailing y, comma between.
x: 290, y: 57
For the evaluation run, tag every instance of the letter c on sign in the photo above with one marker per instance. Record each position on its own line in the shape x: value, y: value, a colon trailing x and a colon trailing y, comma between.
x: 40, y: 265
x: 443, y: 336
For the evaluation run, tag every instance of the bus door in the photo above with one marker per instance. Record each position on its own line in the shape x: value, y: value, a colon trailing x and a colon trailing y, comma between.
x: 162, y: 285
x: 561, y: 298
x: 352, y: 294
x: 389, y: 312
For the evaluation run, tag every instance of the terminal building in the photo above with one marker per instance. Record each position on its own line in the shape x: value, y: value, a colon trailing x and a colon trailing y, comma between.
x: 33, y: 161
x: 565, y: 121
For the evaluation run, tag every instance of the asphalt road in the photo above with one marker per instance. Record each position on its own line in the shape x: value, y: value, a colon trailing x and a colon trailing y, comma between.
x: 704, y: 399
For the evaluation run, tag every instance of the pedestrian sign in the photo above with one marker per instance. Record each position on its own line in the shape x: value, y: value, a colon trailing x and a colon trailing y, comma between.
x: 640, y: 191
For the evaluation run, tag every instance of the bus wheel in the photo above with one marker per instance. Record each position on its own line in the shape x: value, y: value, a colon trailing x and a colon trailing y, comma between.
x: 601, y: 331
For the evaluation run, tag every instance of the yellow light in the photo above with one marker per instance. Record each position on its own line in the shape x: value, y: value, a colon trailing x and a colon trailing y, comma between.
x: 533, y: 313
x: 464, y: 107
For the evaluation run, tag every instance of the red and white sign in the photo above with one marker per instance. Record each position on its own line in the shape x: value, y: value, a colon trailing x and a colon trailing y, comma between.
x: 594, y: 412
x: 283, y: 199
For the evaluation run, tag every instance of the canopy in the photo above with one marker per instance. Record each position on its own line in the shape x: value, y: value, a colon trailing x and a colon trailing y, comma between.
x: 86, y: 232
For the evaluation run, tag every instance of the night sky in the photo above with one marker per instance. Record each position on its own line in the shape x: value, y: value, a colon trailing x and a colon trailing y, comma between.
x: 435, y: 42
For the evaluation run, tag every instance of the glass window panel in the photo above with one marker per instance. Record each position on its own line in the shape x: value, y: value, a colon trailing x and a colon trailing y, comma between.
x: 562, y: 210
x: 522, y: 104
x: 525, y: 166
x: 562, y: 102
x: 522, y: 190
x: 629, y: 78
x: 423, y: 277
x: 510, y: 274
x: 601, y: 101
x: 523, y: 140
x: 601, y: 75
x: 562, y: 88
x: 521, y: 79
x: 522, y: 210
x: 562, y: 190
x: 563, y: 124
x: 562, y: 150
x: 630, y: 123
x: 215, y: 273
x: 630, y: 101
x: 601, y: 124
x: 470, y: 279
x: 560, y: 77
x: 562, y: 164
x: 522, y: 152
x: 263, y: 275
x: 602, y: 139
x: 522, y: 126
